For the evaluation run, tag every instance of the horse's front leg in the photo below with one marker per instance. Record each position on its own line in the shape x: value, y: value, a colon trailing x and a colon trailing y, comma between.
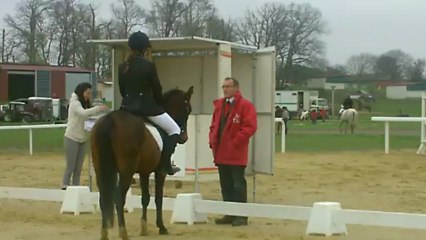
x: 160, y: 177
x: 144, y: 181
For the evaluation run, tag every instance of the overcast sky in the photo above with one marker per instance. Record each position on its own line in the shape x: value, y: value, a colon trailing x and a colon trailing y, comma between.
x: 356, y: 26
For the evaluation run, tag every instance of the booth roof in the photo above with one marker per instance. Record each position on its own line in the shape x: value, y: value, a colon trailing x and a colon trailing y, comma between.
x: 177, y: 44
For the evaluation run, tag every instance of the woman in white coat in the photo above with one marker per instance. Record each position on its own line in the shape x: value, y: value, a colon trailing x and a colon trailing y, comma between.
x: 75, y: 139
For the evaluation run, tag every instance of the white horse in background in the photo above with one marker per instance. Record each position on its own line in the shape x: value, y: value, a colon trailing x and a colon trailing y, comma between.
x: 349, y: 118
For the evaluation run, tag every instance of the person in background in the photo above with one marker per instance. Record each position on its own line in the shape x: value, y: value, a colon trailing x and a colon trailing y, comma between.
x: 278, y: 114
x: 234, y: 122
x: 75, y: 139
x: 314, y: 116
x: 286, y: 117
x: 323, y: 114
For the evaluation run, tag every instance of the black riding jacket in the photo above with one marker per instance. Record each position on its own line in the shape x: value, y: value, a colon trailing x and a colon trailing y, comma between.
x: 140, y: 88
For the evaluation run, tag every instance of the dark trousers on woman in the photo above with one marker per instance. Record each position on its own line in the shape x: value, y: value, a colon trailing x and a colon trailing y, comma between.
x: 234, y: 189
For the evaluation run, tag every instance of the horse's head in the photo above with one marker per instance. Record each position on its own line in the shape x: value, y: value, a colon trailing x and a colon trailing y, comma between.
x: 177, y: 104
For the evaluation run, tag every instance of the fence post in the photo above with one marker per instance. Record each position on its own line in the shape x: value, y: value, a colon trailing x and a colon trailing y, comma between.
x: 31, y: 141
x: 283, y: 129
x: 386, y: 137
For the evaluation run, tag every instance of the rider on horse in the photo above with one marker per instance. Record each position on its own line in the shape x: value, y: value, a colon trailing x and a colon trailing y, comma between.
x: 142, y: 94
x: 348, y: 103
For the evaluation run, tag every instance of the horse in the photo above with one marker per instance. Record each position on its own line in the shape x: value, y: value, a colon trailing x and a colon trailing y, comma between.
x: 122, y: 144
x: 348, y: 117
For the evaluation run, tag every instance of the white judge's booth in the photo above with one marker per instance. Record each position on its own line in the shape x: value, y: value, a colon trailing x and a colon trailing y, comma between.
x: 204, y: 63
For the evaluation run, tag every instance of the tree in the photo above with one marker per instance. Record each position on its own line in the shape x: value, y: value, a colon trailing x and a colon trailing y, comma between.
x: 404, y: 62
x: 29, y: 25
x: 294, y: 30
x: 387, y: 67
x: 416, y: 71
x: 361, y: 64
x: 195, y: 17
x: 218, y: 28
x: 8, y: 46
x: 129, y: 15
x: 164, y: 18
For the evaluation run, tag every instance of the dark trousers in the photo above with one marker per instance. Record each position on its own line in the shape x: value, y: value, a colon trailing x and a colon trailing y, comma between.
x: 286, y: 126
x: 233, y: 183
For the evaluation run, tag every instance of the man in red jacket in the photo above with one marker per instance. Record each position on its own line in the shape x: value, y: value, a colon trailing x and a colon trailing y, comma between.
x: 234, y: 122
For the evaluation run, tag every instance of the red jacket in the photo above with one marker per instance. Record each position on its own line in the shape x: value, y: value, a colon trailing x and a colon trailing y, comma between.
x: 240, y: 126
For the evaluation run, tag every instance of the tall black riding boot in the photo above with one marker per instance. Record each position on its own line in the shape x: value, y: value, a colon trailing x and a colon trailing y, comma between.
x: 168, y: 149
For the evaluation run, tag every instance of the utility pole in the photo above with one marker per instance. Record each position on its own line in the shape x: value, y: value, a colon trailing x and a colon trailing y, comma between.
x: 332, y: 101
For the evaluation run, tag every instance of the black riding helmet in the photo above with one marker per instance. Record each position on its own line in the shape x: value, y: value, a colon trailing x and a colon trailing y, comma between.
x: 139, y: 41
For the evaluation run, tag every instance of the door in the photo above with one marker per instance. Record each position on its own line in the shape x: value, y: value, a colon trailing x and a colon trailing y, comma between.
x: 263, y: 142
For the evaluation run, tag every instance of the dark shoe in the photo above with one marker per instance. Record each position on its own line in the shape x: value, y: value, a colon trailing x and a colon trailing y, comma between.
x: 225, y: 220
x: 169, y: 148
x: 240, y: 221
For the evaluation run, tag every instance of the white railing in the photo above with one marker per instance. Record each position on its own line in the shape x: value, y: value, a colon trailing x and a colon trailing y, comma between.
x: 327, y: 217
x: 30, y: 128
x: 387, y: 120
x: 281, y: 122
x: 52, y: 126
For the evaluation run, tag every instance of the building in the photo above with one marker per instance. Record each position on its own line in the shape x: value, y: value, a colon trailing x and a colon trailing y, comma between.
x: 327, y: 83
x: 105, y: 90
x: 407, y: 90
x: 23, y: 81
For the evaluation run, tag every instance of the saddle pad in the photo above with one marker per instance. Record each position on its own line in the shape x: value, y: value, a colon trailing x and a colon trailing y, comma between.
x: 153, y: 130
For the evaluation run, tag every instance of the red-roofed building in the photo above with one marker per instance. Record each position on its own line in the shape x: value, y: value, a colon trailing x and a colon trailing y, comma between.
x: 23, y: 80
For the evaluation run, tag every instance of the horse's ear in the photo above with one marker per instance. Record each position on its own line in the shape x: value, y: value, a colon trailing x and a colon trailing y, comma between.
x: 190, y: 92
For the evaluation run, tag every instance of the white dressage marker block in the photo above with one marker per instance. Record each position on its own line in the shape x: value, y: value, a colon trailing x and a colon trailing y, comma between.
x: 321, y: 221
x: 128, y: 207
x: 183, y: 210
x: 77, y: 200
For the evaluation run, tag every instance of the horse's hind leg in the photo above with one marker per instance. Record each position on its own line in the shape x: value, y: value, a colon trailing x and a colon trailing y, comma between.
x: 144, y: 181
x: 160, y: 177
x: 124, y: 185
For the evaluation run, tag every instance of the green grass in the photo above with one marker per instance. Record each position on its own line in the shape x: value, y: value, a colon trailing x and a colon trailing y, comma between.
x: 44, y: 140
x: 330, y: 143
x: 305, y: 138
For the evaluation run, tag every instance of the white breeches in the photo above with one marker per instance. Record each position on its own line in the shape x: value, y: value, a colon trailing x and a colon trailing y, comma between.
x: 166, y: 123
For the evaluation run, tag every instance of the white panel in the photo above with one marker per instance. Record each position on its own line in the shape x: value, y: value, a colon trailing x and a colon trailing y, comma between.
x: 264, y: 87
x: 204, y: 153
x: 209, y: 82
x: 224, y: 66
x: 242, y: 70
x: 396, y: 92
x: 182, y: 72
x: 263, y: 152
x: 264, y: 84
x: 72, y: 80
x: 118, y: 57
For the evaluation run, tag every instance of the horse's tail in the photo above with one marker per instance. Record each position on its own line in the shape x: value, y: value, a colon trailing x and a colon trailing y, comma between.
x: 107, y: 181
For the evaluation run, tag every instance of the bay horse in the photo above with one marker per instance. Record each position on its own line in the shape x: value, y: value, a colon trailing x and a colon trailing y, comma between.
x: 349, y: 118
x: 123, y: 145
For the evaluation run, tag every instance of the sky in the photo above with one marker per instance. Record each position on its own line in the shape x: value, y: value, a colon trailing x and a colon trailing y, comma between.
x: 354, y: 26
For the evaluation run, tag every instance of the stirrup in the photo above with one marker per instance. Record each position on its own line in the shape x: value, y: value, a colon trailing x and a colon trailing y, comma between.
x: 172, y: 171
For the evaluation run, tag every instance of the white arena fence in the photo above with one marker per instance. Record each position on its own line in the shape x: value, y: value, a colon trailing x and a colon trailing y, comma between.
x: 30, y: 129
x: 388, y: 120
x: 324, y: 218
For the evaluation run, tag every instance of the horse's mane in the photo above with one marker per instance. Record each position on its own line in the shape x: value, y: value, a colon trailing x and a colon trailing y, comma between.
x: 167, y: 96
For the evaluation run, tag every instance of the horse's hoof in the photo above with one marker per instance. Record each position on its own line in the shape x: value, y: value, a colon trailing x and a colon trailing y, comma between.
x: 123, y: 233
x: 144, y: 228
x: 163, y: 231
x: 104, y: 234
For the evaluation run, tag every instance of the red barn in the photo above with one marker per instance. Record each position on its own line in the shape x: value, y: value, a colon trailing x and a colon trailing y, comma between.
x: 23, y: 81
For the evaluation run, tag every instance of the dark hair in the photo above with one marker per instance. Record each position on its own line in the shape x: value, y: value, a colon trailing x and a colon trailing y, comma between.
x: 234, y: 81
x: 79, y: 90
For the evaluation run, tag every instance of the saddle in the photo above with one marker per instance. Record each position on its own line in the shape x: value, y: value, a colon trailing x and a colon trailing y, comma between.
x: 157, y: 132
